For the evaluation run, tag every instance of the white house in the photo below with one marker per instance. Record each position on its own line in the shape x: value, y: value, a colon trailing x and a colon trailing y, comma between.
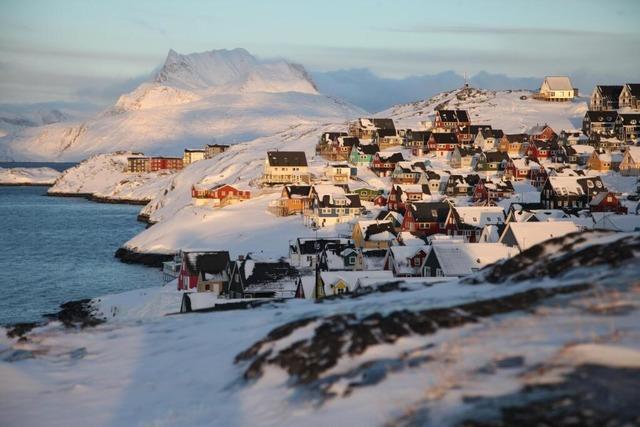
x: 557, y: 88
x: 523, y: 235
x: 285, y: 167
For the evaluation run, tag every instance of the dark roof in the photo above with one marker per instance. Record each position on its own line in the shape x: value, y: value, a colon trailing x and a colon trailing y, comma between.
x: 468, y: 151
x: 453, y: 115
x: 495, y: 156
x: 297, y: 190
x: 378, y: 228
x: 308, y: 246
x: 354, y: 199
x: 287, y: 158
x: 333, y: 135
x: 445, y: 138
x: 384, y: 124
x: 370, y: 149
x: 432, y: 175
x: 393, y: 158
x: 472, y: 179
x: 419, y: 135
x: 218, y: 145
x: 627, y: 118
x: 517, y: 137
x: 475, y: 129
x: 601, y: 116
x: 268, y: 272
x: 424, y: 211
x: 207, y: 262
x: 194, y: 150
x: 634, y: 88
x: 597, y: 184
x: 610, y: 91
x: 350, y: 141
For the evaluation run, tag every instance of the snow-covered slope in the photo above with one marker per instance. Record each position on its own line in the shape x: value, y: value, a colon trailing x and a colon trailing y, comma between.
x: 226, y: 95
x: 28, y: 176
x: 430, y: 356
x: 104, y: 176
x: 504, y: 110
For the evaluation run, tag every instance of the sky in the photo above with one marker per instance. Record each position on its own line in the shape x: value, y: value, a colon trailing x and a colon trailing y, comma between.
x: 92, y: 50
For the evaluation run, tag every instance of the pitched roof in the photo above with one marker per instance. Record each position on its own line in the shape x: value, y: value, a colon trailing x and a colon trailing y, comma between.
x: 602, y: 116
x: 479, y: 216
x: 527, y: 234
x: 634, y: 88
x: 287, y: 158
x: 629, y: 118
x: 430, y: 211
x: 517, y: 137
x: 297, y: 190
x: 461, y: 259
x: 369, y: 149
x: 377, y: 230
x: 453, y: 115
x: 390, y: 157
x: 492, y: 133
x: 445, y: 138
x: 419, y: 135
x: 213, y: 262
x: 609, y: 91
x: 558, y: 83
x: 496, y: 156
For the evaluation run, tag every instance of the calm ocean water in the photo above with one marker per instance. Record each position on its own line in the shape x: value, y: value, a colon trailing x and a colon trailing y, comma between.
x: 58, y: 249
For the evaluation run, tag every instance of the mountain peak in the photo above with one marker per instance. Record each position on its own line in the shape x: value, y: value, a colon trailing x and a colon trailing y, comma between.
x: 234, y: 69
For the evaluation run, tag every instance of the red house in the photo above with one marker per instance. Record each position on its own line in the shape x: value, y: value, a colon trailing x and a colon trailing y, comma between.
x: 538, y: 175
x: 442, y: 144
x: 206, y: 271
x: 384, y: 163
x: 427, y: 218
x: 402, y: 194
x: 380, y: 200
x: 488, y: 192
x: 218, y: 196
x: 543, y: 133
x: 607, y: 201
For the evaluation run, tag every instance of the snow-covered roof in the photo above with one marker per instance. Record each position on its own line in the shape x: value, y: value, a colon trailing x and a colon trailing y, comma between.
x: 461, y: 259
x: 558, y: 83
x: 583, y: 149
x: 566, y: 185
x: 634, y: 153
x: 608, y: 221
x: 527, y: 234
x: 479, y: 216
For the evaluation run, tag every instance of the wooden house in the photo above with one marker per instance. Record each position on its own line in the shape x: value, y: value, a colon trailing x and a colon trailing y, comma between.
x: 462, y: 157
x: 338, y: 149
x: 402, y: 194
x: 442, y: 144
x: 363, y: 154
x: 542, y: 133
x: 219, y: 195
x: 557, y: 89
x: 374, y: 234
x: 384, y: 163
x: 406, y: 261
x: 488, y: 139
x: 427, y: 218
x: 630, y: 96
x: 630, y: 164
x: 286, y: 167
x: 601, y: 123
x: 372, y: 128
x: 566, y: 192
x: 487, y: 191
x: 473, y: 219
x: 408, y: 172
x: 418, y: 142
x: 604, y: 161
x: 523, y: 235
x: 607, y: 201
x: 491, y: 161
x: 261, y: 279
x: 628, y: 126
x: 459, y: 259
x: 459, y: 185
x: 367, y: 194
x: 333, y: 252
x: 450, y: 121
x: 339, y: 173
x: 514, y: 144
x: 205, y: 271
x: 294, y: 199
x: 605, y: 98
x: 330, y: 205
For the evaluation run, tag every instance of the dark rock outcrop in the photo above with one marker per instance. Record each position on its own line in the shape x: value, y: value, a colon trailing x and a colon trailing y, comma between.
x: 148, y: 259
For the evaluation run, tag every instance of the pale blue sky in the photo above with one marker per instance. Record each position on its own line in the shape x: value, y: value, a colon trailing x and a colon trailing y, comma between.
x: 57, y: 49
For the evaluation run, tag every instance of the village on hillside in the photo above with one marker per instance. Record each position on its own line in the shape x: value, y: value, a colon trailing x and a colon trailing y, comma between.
x: 433, y: 204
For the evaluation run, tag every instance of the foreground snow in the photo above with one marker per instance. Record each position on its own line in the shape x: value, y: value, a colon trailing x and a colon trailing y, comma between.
x: 180, y: 370
x: 28, y: 176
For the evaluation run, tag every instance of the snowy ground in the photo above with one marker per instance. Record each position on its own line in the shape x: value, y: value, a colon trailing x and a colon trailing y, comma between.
x: 28, y: 176
x: 180, y: 370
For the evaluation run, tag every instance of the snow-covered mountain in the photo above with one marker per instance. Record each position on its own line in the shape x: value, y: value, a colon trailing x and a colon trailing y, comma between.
x: 226, y: 95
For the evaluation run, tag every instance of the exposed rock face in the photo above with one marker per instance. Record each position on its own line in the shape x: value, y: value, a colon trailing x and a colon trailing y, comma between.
x: 344, y: 334
x: 151, y: 260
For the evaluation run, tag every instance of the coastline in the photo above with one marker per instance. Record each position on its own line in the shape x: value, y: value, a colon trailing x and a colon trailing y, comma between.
x: 101, y: 199
x: 26, y: 184
x: 149, y: 259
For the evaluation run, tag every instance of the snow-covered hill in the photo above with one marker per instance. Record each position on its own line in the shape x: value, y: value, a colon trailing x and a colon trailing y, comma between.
x: 104, y: 176
x: 28, y: 176
x: 226, y: 95
x: 506, y: 110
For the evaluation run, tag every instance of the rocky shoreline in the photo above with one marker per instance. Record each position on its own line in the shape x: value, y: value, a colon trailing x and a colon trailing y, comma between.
x: 100, y: 199
x: 148, y: 259
x: 25, y: 184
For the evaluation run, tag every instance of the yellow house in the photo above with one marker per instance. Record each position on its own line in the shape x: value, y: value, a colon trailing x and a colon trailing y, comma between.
x: 557, y: 88
x: 374, y: 234
x: 604, y: 161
